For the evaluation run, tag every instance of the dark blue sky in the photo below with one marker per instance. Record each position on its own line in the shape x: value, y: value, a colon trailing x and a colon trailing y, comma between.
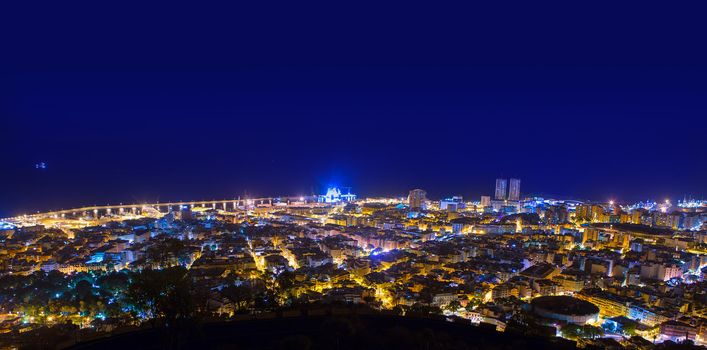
x: 129, y: 104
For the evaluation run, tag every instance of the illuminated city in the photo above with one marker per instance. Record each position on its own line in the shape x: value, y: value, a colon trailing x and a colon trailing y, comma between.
x: 247, y: 175
x: 579, y: 270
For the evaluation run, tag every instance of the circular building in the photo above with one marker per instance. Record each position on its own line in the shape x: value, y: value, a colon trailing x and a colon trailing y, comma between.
x: 566, y: 309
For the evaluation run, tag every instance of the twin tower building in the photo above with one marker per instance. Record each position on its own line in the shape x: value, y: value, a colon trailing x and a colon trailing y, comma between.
x: 506, y: 192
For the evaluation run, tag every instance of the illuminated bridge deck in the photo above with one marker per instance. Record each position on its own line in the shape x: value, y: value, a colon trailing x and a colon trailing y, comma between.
x: 224, y: 204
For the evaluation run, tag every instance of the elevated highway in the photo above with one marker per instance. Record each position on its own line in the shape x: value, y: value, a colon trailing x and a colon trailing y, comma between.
x: 98, y: 211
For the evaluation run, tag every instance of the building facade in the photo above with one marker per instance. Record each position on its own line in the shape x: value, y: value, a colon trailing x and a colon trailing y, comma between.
x: 417, y: 199
x: 514, y: 190
x: 501, y: 189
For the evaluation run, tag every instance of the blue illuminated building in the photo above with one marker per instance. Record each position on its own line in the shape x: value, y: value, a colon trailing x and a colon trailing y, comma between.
x: 334, y: 195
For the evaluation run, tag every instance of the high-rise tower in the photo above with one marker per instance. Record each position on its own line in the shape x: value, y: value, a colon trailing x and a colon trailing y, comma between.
x: 417, y: 199
x: 501, y: 185
x: 514, y: 190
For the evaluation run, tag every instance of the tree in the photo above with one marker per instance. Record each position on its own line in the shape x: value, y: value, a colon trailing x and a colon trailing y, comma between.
x: 144, y: 291
x: 630, y: 329
x: 167, y: 252
x: 453, y: 306
x: 83, y: 290
x: 113, y: 283
x: 592, y: 332
x: 68, y: 310
x: 241, y: 296
x: 572, y: 331
x: 168, y: 295
x: 423, y: 309
x: 285, y: 283
x: 400, y: 309
x: 155, y: 293
x: 470, y: 306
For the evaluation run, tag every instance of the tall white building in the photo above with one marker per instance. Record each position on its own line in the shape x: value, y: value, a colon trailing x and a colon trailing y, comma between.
x: 514, y: 190
x: 501, y: 186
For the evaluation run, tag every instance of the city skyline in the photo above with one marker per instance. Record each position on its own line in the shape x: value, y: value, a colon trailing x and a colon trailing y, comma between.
x: 416, y: 196
x: 312, y: 192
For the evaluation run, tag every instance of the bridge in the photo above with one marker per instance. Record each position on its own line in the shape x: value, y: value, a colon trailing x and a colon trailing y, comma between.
x: 99, y: 211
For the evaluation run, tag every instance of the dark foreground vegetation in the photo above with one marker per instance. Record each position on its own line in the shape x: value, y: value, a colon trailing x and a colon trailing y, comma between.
x: 346, y: 331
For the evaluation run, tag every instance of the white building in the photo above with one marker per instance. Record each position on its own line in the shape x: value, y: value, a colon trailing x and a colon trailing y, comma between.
x: 334, y: 195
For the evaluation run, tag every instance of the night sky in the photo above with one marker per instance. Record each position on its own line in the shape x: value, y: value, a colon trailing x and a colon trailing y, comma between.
x: 130, y: 104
